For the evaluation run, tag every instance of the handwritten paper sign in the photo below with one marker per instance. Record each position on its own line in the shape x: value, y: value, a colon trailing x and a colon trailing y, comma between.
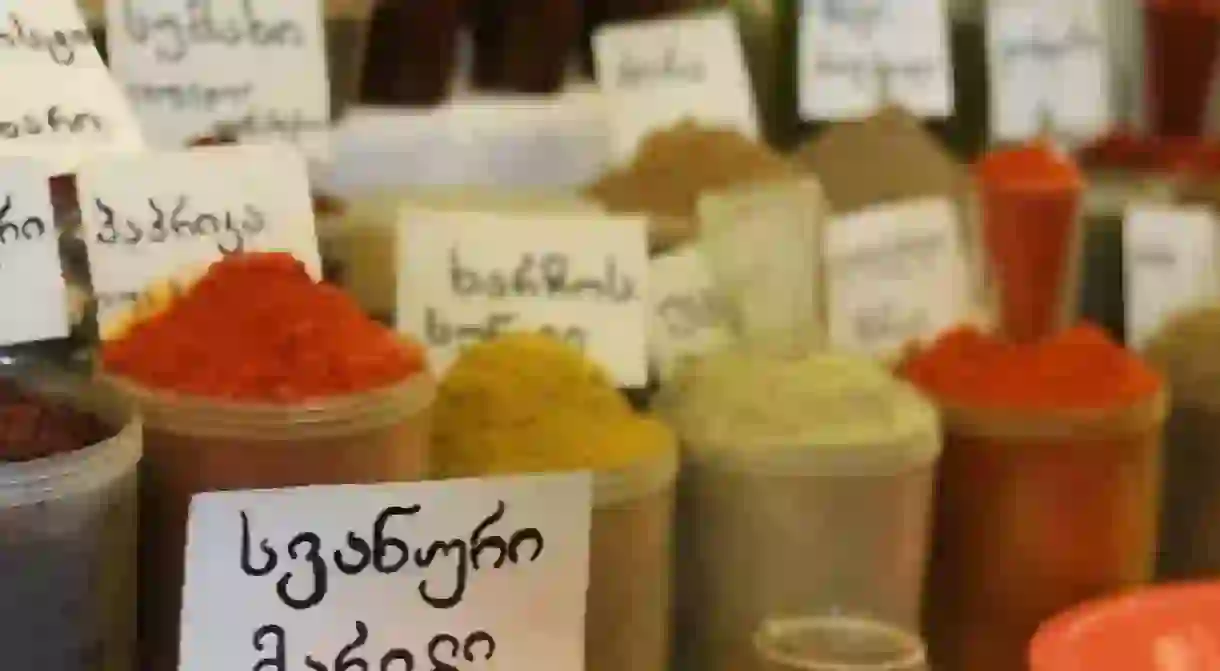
x: 687, y: 316
x: 1169, y: 260
x: 152, y: 217
x: 465, y: 575
x: 62, y: 105
x: 32, y: 288
x: 657, y: 73
x: 191, y: 66
x: 896, y: 275
x: 1049, y: 70
x: 856, y: 55
x: 466, y: 277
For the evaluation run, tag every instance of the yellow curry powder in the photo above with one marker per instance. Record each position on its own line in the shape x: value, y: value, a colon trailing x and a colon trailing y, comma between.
x: 527, y: 402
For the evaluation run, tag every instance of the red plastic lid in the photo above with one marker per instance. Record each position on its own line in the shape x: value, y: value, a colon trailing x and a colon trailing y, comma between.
x: 1175, y: 628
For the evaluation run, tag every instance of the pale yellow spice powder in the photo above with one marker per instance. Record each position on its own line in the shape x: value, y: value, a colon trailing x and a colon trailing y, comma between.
x: 525, y: 403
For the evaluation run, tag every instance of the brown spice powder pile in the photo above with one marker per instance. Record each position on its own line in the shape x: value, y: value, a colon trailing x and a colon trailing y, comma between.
x: 32, y: 427
x: 674, y: 166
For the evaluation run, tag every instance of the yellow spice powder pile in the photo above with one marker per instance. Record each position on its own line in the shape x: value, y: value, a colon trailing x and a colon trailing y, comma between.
x: 527, y: 403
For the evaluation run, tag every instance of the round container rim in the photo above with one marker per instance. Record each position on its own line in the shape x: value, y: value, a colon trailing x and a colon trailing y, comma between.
x: 639, y: 479
x: 1049, y: 648
x: 773, y: 630
x: 1017, y: 422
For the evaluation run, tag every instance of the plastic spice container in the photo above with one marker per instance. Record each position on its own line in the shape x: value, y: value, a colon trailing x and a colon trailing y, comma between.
x: 838, y: 644
x: 1036, y: 511
x: 627, y: 625
x: 195, y: 445
x: 1169, y: 628
x: 825, y: 513
x: 68, y: 543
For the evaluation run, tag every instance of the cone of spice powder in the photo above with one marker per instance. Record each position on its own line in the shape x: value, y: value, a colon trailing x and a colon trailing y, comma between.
x: 1030, y: 206
x: 1181, y: 48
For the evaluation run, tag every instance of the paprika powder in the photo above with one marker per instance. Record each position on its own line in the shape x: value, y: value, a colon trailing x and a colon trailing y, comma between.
x: 1048, y: 490
x: 1030, y: 198
x: 258, y: 377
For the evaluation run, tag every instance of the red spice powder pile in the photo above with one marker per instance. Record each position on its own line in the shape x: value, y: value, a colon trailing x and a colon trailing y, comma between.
x: 1079, y: 369
x: 257, y: 328
x: 1027, y: 166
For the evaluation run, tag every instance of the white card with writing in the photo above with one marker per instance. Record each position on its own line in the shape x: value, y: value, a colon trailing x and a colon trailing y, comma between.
x: 189, y: 67
x: 32, y: 288
x: 896, y: 275
x: 657, y: 73
x: 1169, y: 260
x: 62, y: 106
x: 468, y: 276
x: 153, y: 217
x: 687, y: 315
x: 855, y: 56
x: 1049, y: 68
x: 469, y: 574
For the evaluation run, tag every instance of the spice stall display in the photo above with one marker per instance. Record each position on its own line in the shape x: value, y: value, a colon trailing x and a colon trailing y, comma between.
x: 1029, y: 198
x: 1180, y: 38
x: 838, y: 644
x: 1048, y: 485
x: 68, y: 456
x: 1185, y: 351
x: 527, y: 403
x: 806, y: 491
x: 1153, y: 629
x: 674, y: 166
x: 258, y: 377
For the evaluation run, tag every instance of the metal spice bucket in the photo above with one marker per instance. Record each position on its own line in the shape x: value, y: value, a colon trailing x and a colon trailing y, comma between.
x: 195, y: 445
x: 1037, y: 511
x: 68, y: 541
x: 627, y: 624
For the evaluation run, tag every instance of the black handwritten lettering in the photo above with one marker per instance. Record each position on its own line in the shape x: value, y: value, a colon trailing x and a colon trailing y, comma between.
x: 172, y: 35
x: 462, y: 572
x: 550, y: 275
x: 859, y: 15
x: 193, y: 96
x: 685, y: 315
x: 289, y: 125
x: 247, y: 566
x: 894, y: 254
x: 278, y: 657
x: 1048, y: 49
x: 671, y: 67
x: 441, y: 332
x: 54, y: 120
x: 444, y: 650
x: 362, y: 548
x: 230, y: 234
x: 29, y: 230
x: 60, y: 45
x: 317, y: 569
x: 382, y: 542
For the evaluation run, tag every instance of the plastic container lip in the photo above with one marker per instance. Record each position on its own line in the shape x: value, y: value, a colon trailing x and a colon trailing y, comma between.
x: 204, y: 417
x: 1050, y: 423
x: 1059, y: 644
x: 643, y: 478
x: 908, y: 651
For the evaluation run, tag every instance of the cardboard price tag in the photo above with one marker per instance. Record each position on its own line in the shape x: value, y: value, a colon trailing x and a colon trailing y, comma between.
x: 154, y: 217
x: 63, y: 105
x: 897, y: 274
x: 465, y: 277
x: 854, y: 56
x: 256, y: 68
x: 460, y: 574
x: 1169, y: 260
x: 1049, y: 68
x: 688, y: 316
x: 657, y: 73
x: 32, y: 288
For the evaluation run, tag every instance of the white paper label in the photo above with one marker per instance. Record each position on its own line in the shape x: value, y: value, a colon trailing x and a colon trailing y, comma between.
x: 190, y: 67
x: 461, y: 574
x: 62, y: 104
x: 156, y: 216
x: 660, y: 72
x: 897, y: 275
x: 688, y: 317
x: 465, y: 277
x: 1049, y: 70
x: 857, y: 55
x: 32, y: 288
x: 1169, y: 256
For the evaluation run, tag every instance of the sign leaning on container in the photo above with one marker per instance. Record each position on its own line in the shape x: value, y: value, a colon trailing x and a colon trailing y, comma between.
x: 456, y: 574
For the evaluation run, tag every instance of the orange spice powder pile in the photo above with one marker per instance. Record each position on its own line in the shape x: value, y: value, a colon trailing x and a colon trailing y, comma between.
x: 1079, y: 369
x: 257, y: 327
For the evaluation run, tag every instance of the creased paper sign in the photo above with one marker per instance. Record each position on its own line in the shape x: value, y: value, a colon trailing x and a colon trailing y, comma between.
x: 896, y: 274
x: 62, y: 106
x: 153, y: 217
x: 688, y: 317
x: 475, y: 575
x: 1049, y: 68
x: 855, y: 56
x: 190, y: 68
x: 659, y: 72
x: 466, y: 277
x: 1169, y: 261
